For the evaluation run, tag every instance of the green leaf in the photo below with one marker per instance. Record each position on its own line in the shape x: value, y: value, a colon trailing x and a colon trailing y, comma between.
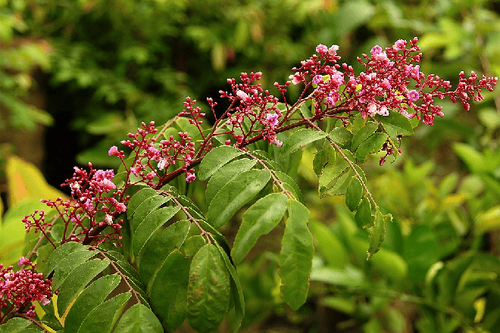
x: 290, y: 185
x: 295, y: 258
x: 208, y: 290
x: 225, y: 174
x: 378, y: 233
x: 215, y: 159
x: 354, y: 194
x: 371, y: 145
x: 19, y: 325
x: 400, y: 122
x: 335, y: 177
x: 159, y: 247
x: 149, y: 225
x: 60, y: 253
x: 168, y: 292
x: 139, y: 319
x: 329, y: 245
x: 364, y: 217
x: 474, y: 160
x: 67, y: 264
x: 76, y: 281
x: 105, y: 315
x: 299, y: 139
x: 235, y: 195
x: 138, y: 198
x: 363, y: 133
x: 90, y: 298
x: 192, y: 245
x: 341, y: 136
x: 146, y: 208
x: 258, y: 220
x: 236, y: 290
x: 323, y: 157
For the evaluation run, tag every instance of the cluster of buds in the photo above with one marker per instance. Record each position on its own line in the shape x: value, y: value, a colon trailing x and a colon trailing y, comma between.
x: 95, y: 204
x: 18, y: 290
x: 153, y: 161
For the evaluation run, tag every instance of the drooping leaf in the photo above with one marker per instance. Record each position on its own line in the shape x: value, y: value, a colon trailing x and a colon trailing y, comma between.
x: 235, y: 195
x: 378, y: 233
x: 295, y: 258
x: 225, y: 174
x: 371, y: 145
x: 112, y: 308
x: 364, y: 217
x: 139, y: 319
x: 149, y: 225
x: 236, y: 290
x: 76, y: 281
x: 299, y: 139
x: 208, y: 290
x: 399, y: 121
x: 89, y: 299
x: 354, y: 194
x: 258, y: 220
x: 25, y: 181
x: 215, y: 159
x: 341, y: 136
x: 168, y: 291
x: 60, y: 253
x: 159, y: 247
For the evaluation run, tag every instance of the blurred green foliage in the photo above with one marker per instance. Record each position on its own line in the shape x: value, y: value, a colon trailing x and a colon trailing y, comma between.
x: 111, y: 64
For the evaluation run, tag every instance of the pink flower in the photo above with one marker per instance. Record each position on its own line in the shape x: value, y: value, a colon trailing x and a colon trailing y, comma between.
x: 120, y: 207
x: 296, y: 78
x: 400, y: 45
x: 241, y: 94
x: 321, y: 49
x: 333, y: 50
x: 113, y: 151
x: 383, y: 111
x: 376, y: 50
x: 317, y: 79
x: 23, y: 261
x: 272, y: 119
x: 413, y: 95
x: 190, y: 177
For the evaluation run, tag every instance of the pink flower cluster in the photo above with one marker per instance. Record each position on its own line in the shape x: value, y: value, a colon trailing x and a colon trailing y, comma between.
x: 153, y: 161
x: 253, y: 110
x: 18, y: 290
x: 391, y: 82
x: 94, y: 205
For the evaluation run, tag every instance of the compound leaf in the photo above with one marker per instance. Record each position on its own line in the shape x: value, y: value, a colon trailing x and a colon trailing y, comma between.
x: 215, y: 159
x: 139, y: 319
x: 299, y: 139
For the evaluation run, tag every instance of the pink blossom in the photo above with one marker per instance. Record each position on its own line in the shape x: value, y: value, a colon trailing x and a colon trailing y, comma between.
x: 333, y: 50
x: 321, y: 49
x: 113, y: 151
x: 400, y: 45
x: 272, y: 119
x: 296, y: 78
x: 120, y: 207
x: 376, y: 50
x: 190, y: 177
x: 317, y: 79
x: 241, y: 94
x: 23, y: 261
x: 413, y: 95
